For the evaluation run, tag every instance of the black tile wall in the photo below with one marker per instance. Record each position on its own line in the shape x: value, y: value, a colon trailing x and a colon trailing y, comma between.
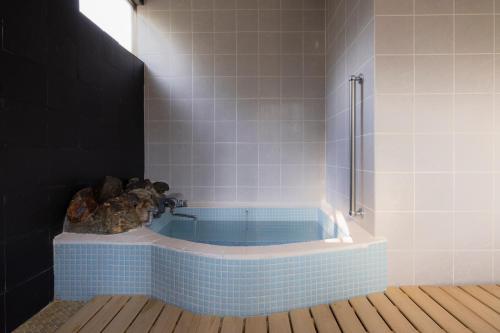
x: 71, y: 112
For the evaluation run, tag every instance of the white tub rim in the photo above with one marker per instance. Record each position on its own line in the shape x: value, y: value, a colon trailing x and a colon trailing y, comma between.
x: 359, y: 238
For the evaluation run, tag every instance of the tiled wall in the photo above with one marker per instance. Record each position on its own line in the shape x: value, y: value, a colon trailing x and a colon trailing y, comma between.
x: 350, y: 28
x: 218, y: 285
x: 437, y: 139
x: 71, y: 112
x: 235, y: 98
x: 430, y: 134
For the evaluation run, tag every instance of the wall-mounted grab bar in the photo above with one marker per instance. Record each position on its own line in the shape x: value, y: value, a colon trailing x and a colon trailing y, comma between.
x: 354, y: 80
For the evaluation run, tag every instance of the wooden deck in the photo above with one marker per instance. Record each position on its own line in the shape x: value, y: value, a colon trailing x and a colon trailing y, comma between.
x: 405, y: 309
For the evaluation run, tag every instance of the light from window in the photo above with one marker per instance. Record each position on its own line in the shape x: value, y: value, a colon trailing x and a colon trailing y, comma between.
x: 112, y: 16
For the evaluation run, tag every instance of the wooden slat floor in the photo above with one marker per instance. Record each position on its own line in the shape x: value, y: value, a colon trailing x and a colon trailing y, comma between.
x: 406, y: 309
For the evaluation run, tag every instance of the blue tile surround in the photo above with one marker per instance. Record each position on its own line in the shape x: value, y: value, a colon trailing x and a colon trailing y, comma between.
x: 219, y: 286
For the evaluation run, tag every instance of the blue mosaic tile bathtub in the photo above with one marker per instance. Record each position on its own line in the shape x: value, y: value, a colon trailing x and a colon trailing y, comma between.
x: 248, y: 226
x: 219, y: 280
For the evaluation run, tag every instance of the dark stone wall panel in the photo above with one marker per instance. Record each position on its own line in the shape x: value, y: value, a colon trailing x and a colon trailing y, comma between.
x: 71, y: 112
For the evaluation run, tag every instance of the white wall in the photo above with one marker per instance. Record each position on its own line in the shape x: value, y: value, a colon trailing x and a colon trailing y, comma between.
x: 433, y: 132
x: 235, y: 99
x: 437, y: 138
x: 349, y: 52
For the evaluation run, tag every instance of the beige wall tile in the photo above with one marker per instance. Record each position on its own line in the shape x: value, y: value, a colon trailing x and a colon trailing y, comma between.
x: 473, y: 6
x: 473, y: 191
x: 433, y: 7
x: 247, y: 42
x: 202, y: 21
x: 224, y: 43
x: 314, y: 20
x: 394, y: 113
x: 247, y: 20
x: 434, y: 153
x: 400, y: 268
x: 482, y: 238
x: 474, y: 152
x: 433, y: 113
x: 181, y: 21
x: 291, y: 20
x: 433, y: 74
x: 394, y: 153
x: 474, y: 112
x: 397, y: 228
x: 394, y: 34
x: 394, y: 74
x: 393, y: 7
x: 269, y: 42
x: 433, y: 231
x: 474, y: 33
x: 433, y: 34
x: 434, y: 268
x: 269, y: 20
x: 433, y: 192
x: 474, y: 73
x: 394, y: 191
x: 224, y: 4
x: 202, y: 4
x: 473, y: 267
x: 248, y: 65
x: 225, y: 65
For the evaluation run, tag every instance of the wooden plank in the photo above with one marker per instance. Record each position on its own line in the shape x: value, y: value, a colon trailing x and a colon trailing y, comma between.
x: 435, y: 311
x: 368, y: 315
x: 410, y: 310
x: 167, y: 320
x: 347, y: 318
x: 146, y: 317
x: 232, y: 325
x: 302, y: 321
x: 483, y: 296
x: 492, y: 289
x: 256, y: 325
x: 126, y: 315
x: 391, y: 314
x: 105, y: 315
x: 279, y: 323
x: 186, y: 322
x: 488, y: 314
x: 207, y: 324
x: 324, y: 319
x: 75, y: 323
x: 458, y: 310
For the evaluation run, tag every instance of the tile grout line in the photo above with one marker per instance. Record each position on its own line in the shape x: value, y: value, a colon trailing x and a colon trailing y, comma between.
x: 414, y: 213
x: 453, y: 158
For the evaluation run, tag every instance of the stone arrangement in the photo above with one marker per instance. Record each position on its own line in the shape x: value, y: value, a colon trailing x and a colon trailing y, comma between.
x: 112, y: 208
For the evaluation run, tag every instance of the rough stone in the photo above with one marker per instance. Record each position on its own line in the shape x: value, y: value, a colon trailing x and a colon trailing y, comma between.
x: 135, y: 183
x: 111, y: 187
x: 127, y: 210
x: 160, y: 187
x: 82, y: 206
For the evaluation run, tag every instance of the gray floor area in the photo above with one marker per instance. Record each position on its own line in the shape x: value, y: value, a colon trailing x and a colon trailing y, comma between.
x: 50, y: 318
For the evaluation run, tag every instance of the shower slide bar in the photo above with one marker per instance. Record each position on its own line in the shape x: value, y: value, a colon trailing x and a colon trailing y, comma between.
x: 354, y: 81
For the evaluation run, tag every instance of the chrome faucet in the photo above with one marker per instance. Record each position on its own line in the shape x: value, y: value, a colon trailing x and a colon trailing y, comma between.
x: 171, y: 202
x: 174, y: 201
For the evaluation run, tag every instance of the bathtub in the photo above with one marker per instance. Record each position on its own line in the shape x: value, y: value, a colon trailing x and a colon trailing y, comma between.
x: 231, y: 262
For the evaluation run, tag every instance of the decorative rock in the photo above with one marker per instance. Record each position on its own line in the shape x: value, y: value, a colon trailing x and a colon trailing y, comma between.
x: 116, y: 213
x: 82, y: 206
x: 135, y: 183
x: 111, y: 187
x: 160, y: 187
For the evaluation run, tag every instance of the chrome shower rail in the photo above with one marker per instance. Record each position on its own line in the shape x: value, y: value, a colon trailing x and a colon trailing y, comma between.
x: 354, y: 80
